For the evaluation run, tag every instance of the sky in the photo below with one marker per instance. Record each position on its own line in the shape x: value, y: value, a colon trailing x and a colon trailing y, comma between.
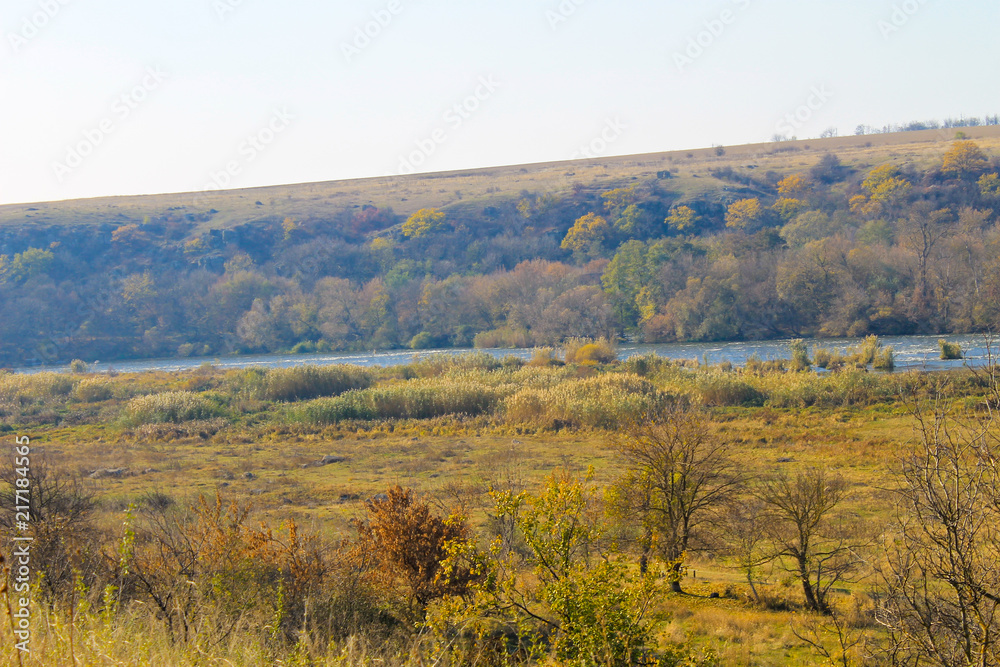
x: 119, y: 97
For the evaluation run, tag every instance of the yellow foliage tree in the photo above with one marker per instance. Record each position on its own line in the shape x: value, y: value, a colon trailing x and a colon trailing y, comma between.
x: 788, y: 207
x: 743, y: 213
x: 885, y: 186
x: 615, y: 201
x: 964, y: 159
x: 793, y: 186
x: 681, y: 218
x: 989, y: 185
x: 423, y: 222
x: 585, y: 232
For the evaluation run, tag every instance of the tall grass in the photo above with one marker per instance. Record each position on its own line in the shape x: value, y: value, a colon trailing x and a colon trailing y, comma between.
x: 300, y: 382
x: 170, y: 406
x: 413, y: 399
x: 602, y: 401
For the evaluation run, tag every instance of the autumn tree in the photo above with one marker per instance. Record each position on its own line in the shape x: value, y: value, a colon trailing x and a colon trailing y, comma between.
x: 423, y: 222
x: 805, y: 529
x: 793, y: 186
x: 680, y: 473
x: 682, y: 218
x: 965, y: 159
x: 586, y: 234
x: 407, y: 544
x: 940, y: 586
x: 744, y: 213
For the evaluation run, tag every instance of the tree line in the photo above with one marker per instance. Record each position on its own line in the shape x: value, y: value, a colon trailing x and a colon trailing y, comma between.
x: 831, y: 251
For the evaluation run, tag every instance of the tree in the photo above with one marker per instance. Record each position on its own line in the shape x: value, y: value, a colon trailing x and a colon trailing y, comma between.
x: 793, y: 186
x: 989, y: 185
x: 965, y: 159
x: 409, y: 544
x: 423, y: 222
x: 681, y: 475
x: 682, y: 218
x: 941, y: 582
x: 586, y: 234
x: 802, y: 528
x: 581, y: 602
x: 744, y: 213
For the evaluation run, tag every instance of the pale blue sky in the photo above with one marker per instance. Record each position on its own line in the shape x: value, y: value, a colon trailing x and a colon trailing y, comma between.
x: 201, y: 76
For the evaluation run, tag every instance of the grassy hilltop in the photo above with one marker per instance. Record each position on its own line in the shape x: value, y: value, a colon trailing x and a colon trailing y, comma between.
x: 467, y: 189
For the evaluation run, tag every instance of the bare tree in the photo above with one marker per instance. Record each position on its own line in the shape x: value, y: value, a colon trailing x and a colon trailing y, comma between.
x: 744, y: 528
x: 941, y: 577
x: 805, y: 528
x: 679, y: 475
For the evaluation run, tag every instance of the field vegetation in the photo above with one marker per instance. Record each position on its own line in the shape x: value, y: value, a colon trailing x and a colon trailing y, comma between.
x: 571, y: 509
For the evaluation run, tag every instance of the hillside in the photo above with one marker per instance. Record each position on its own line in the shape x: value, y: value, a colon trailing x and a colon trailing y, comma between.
x: 884, y: 234
x: 407, y: 194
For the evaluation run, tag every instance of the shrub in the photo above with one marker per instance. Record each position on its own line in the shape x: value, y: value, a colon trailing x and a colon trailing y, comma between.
x: 586, y: 351
x: 92, y: 390
x: 800, y: 356
x: 950, y: 350
x: 720, y: 389
x: 504, y: 337
x: 885, y: 359
x: 78, y: 366
x: 171, y: 406
x: 422, y: 341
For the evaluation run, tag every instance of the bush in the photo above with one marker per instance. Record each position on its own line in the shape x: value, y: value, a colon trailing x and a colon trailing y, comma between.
x: 78, y: 366
x: 800, y: 356
x: 93, y: 390
x: 422, y: 341
x: 719, y: 389
x: 590, y: 352
x: 171, y: 406
x: 504, y: 337
x: 885, y: 359
x: 950, y: 350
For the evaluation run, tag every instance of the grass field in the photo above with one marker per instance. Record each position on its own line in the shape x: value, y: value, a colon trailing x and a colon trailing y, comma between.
x: 262, y: 452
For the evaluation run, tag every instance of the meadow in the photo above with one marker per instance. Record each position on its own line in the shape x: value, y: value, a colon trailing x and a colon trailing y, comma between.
x: 469, y: 510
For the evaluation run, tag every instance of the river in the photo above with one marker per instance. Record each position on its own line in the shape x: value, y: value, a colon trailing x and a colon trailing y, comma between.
x: 912, y: 352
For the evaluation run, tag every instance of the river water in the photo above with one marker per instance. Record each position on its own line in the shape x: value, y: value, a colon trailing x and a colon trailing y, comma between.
x: 912, y: 352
